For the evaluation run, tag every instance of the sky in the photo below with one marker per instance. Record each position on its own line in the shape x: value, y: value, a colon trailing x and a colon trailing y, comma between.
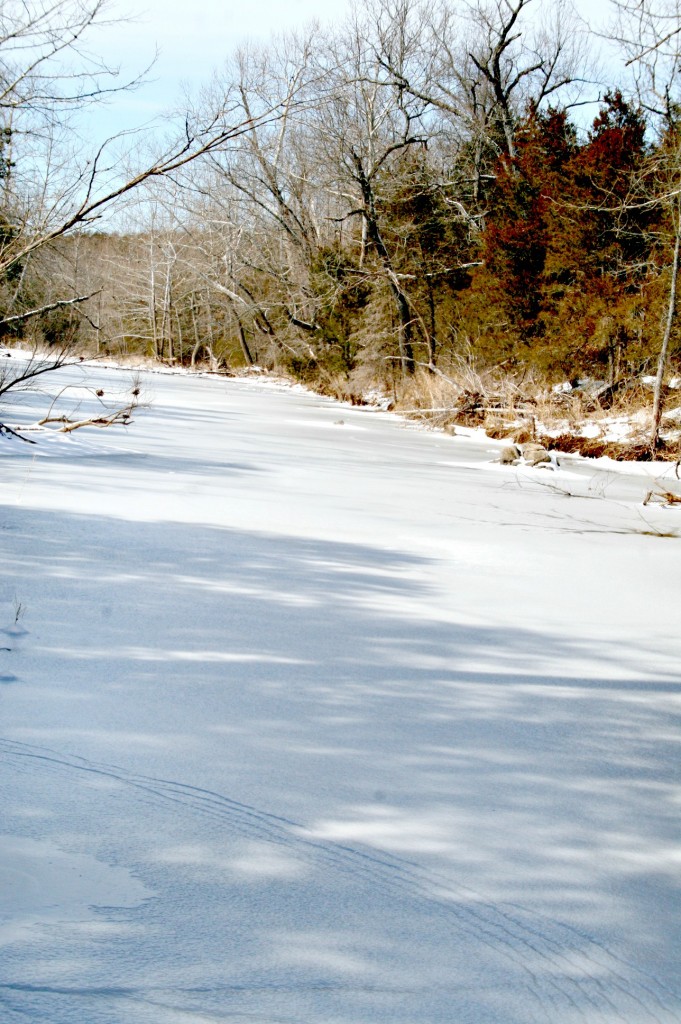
x: 184, y: 52
x: 187, y: 51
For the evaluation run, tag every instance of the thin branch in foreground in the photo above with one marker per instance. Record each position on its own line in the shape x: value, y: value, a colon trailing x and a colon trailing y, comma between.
x: 4, y: 429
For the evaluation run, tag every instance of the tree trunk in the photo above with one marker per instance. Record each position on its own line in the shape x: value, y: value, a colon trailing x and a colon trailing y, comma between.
x: 180, y: 339
x: 405, y: 328
x: 243, y: 341
x: 373, y: 234
x: 152, y: 308
x: 658, y: 397
x: 197, y: 336
x: 169, y: 318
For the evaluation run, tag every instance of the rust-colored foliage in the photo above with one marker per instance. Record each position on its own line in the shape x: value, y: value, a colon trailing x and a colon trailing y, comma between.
x: 567, y: 245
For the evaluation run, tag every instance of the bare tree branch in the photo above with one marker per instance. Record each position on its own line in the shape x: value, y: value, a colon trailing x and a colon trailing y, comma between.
x: 60, y: 303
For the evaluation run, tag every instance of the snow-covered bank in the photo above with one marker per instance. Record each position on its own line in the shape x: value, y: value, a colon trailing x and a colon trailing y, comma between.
x: 338, y: 720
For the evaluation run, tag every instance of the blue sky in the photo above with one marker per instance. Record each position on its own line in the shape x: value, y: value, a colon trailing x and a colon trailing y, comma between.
x: 193, y: 39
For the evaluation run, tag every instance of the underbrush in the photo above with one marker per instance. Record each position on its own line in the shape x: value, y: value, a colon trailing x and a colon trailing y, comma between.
x: 588, y: 418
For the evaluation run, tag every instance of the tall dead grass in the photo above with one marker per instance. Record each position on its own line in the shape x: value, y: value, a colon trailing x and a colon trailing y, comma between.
x: 591, y: 419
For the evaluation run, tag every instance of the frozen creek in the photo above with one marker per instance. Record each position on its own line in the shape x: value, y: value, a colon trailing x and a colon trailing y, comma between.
x: 310, y: 716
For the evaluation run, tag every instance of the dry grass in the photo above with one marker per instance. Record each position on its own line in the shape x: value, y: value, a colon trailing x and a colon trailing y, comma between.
x: 591, y: 421
x: 465, y: 396
x: 596, y: 447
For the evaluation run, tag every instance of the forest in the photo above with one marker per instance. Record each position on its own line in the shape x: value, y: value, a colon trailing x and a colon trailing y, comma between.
x: 452, y: 204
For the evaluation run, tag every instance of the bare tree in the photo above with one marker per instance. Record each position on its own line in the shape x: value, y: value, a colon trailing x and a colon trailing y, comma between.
x: 365, y: 123
x: 649, y: 31
x: 483, y: 63
x: 50, y: 189
x: 271, y: 178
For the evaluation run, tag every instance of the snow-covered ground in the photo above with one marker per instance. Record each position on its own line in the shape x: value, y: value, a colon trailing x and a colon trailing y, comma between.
x: 311, y: 716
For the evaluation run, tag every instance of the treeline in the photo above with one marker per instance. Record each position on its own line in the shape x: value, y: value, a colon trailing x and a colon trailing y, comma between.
x: 415, y: 191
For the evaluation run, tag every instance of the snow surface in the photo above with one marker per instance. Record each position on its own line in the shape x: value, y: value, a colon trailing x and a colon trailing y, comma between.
x: 311, y: 716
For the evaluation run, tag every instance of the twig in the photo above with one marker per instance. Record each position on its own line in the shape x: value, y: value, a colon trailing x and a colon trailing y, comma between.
x: 4, y: 429
x: 664, y: 497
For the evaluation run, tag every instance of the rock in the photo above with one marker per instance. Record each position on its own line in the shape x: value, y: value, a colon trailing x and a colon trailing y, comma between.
x: 509, y: 455
x: 535, y: 454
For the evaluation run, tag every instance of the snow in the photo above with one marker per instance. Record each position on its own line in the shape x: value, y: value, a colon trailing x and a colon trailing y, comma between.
x: 309, y: 715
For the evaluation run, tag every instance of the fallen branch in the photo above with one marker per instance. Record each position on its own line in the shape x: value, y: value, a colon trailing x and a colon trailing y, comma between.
x: 108, y: 417
x: 123, y: 416
x: 663, y: 497
x: 425, y: 412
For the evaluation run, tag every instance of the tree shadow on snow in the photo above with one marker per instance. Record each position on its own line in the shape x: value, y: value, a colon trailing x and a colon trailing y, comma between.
x: 297, y: 701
